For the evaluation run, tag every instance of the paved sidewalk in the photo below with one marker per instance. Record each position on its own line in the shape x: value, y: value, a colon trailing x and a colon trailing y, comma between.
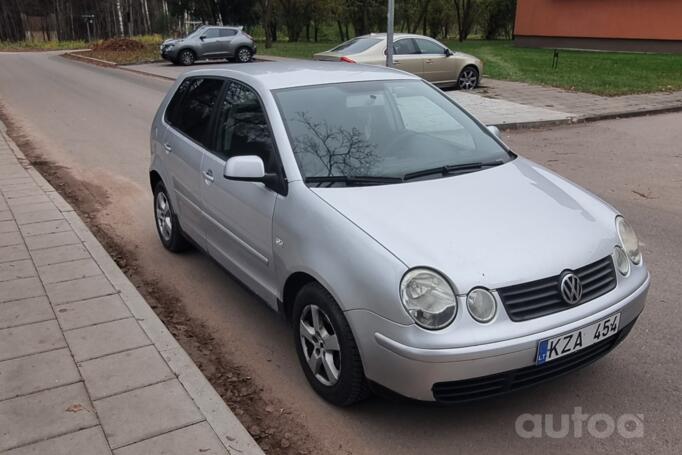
x: 581, y: 106
x: 86, y: 367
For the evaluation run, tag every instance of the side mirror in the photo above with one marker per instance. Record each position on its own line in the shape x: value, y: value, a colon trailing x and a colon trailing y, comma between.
x: 246, y: 168
x: 250, y: 168
x: 495, y: 130
x: 448, y: 52
x: 202, y: 37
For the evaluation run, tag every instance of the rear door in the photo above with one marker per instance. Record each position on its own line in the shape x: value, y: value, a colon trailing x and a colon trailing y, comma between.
x: 239, y: 214
x: 187, y: 136
x: 406, y: 56
x: 438, y: 67
x: 226, y: 38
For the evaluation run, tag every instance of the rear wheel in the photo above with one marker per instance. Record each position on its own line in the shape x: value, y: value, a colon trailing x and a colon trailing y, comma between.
x: 243, y: 55
x: 326, y: 348
x: 167, y: 225
x: 468, y: 78
x: 186, y: 57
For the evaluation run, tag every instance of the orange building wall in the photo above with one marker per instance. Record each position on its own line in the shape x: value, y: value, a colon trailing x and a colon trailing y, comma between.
x: 630, y: 19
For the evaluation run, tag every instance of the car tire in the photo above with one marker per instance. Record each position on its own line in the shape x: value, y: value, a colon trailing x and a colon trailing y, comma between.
x: 327, y: 351
x: 243, y: 55
x: 468, y: 78
x: 167, y: 225
x: 186, y: 57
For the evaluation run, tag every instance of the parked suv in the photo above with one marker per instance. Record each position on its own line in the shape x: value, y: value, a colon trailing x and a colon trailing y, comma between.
x: 210, y: 42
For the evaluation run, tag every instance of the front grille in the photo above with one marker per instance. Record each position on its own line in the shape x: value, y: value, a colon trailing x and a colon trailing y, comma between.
x: 509, y: 381
x: 542, y: 297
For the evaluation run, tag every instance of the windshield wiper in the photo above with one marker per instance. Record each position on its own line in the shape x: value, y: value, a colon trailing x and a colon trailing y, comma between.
x: 452, y: 169
x: 352, y: 180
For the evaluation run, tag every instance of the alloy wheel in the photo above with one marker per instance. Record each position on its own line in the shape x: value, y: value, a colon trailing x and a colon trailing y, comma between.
x: 244, y: 55
x: 163, y: 216
x: 187, y: 58
x: 320, y: 345
x: 468, y: 79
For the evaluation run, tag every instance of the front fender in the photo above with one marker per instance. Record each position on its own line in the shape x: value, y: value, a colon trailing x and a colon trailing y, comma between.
x: 312, y: 237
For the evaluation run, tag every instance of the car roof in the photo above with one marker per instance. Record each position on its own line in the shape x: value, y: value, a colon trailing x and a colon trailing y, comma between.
x: 396, y: 36
x: 300, y: 73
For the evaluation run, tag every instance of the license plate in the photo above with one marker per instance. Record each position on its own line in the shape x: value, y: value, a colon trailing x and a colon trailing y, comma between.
x: 554, y: 348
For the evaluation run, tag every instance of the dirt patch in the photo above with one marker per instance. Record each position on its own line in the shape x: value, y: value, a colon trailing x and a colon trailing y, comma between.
x: 272, y: 426
x: 119, y: 44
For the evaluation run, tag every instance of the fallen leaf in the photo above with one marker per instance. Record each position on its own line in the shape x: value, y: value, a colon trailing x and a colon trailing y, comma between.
x: 75, y: 408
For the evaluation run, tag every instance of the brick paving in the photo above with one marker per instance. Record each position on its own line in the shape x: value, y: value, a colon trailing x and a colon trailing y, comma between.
x: 580, y: 105
x: 85, y: 366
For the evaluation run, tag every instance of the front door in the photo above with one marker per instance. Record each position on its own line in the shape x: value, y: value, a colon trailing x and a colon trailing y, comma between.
x: 438, y: 67
x: 188, y: 118
x: 210, y: 43
x: 239, y: 214
x: 406, y: 56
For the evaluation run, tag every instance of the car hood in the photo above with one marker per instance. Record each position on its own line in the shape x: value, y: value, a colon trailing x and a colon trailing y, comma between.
x: 506, y: 225
x: 173, y: 41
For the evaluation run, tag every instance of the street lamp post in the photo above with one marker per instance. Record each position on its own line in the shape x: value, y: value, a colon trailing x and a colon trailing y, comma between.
x: 389, y: 34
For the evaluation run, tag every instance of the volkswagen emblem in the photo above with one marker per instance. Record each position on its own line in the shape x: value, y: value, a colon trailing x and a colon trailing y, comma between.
x: 571, y: 288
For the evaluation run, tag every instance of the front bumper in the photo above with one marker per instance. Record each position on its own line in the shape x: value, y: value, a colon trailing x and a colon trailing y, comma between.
x: 413, y: 372
x: 169, y: 54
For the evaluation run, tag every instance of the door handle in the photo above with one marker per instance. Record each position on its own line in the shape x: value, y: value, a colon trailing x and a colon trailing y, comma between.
x: 167, y: 147
x: 208, y: 175
x: 428, y: 61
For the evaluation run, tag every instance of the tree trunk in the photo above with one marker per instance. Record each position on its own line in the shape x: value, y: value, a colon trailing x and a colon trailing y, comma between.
x: 147, y: 19
x: 121, y: 32
x: 267, y: 22
x: 341, y: 35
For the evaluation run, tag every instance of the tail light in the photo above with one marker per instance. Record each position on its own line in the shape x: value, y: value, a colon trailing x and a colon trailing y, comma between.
x: 347, y: 60
x: 248, y: 36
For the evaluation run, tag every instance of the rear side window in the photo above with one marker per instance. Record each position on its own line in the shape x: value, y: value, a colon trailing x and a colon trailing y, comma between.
x: 227, y: 32
x: 405, y: 47
x: 356, y: 45
x: 190, y: 108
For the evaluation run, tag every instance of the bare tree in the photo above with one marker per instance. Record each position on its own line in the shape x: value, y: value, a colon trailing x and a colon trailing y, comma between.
x: 465, y: 11
x: 338, y: 150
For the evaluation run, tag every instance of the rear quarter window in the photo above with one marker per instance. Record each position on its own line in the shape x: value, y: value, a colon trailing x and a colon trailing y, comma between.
x: 356, y: 45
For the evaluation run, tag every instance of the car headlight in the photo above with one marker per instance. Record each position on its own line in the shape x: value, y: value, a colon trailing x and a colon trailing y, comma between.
x: 628, y: 239
x: 621, y: 260
x: 428, y: 298
x: 481, y: 305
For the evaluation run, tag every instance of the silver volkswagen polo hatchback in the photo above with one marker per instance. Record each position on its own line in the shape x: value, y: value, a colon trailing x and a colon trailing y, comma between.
x: 410, y: 248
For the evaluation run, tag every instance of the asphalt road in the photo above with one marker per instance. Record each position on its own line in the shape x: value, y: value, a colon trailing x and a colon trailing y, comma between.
x: 95, y: 121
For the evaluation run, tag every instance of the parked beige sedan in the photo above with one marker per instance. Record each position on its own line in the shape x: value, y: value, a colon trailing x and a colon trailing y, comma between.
x: 416, y: 54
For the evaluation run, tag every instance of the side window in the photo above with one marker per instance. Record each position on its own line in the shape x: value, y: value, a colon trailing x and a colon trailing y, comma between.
x: 429, y: 47
x: 173, y: 109
x: 191, y: 114
x: 405, y: 47
x: 224, y: 32
x: 243, y: 127
x: 211, y: 33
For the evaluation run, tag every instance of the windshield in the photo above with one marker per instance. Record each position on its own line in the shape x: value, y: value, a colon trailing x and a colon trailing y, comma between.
x: 383, y: 129
x: 356, y: 45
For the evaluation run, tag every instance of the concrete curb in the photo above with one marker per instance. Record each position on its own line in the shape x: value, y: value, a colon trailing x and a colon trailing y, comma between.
x: 232, y: 434
x: 76, y: 56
